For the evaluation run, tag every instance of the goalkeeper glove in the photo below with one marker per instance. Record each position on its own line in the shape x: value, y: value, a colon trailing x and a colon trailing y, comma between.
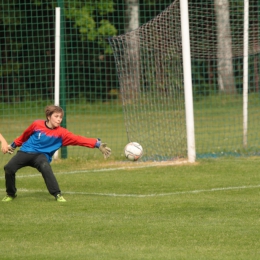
x: 106, y: 151
x: 11, y: 148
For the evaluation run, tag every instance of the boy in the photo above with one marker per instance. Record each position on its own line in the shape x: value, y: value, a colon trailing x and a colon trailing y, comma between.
x: 38, y: 144
x: 4, y: 144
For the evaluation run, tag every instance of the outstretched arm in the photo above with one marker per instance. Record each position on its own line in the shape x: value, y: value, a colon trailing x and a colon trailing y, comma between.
x: 4, y: 144
x: 71, y: 139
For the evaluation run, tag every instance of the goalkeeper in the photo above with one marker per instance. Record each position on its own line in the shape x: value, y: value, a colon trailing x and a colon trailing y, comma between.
x: 38, y: 144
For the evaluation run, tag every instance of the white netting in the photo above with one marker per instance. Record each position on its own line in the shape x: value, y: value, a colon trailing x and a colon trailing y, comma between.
x: 149, y: 65
x: 150, y: 73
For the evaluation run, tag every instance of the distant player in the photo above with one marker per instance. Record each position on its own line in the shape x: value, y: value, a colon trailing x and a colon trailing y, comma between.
x: 38, y: 144
x: 4, y: 144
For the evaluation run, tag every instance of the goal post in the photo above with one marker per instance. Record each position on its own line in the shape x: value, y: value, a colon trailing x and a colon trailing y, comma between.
x: 57, y: 65
x: 59, y: 84
x: 245, y: 75
x: 187, y: 81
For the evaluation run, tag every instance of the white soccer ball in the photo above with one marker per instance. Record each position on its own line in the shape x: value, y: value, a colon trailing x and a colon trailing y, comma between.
x: 133, y: 151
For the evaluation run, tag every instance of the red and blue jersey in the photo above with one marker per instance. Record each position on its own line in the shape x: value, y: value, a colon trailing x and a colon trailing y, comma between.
x: 38, y: 138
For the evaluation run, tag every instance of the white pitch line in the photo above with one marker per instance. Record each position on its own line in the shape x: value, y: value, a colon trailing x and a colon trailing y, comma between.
x: 147, y: 195
x: 129, y: 195
x: 102, y: 170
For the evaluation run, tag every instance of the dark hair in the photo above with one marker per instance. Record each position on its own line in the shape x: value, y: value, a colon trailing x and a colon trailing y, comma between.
x: 49, y: 110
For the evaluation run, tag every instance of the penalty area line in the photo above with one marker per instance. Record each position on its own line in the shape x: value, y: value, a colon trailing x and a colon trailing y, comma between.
x: 147, y: 195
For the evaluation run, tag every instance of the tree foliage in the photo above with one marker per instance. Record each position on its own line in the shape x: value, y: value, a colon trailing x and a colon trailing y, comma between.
x: 27, y: 45
x: 86, y: 15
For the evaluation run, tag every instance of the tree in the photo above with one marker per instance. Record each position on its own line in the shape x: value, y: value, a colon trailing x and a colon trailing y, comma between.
x: 132, y: 15
x: 226, y: 79
x: 131, y: 81
x: 27, y: 46
x: 87, y: 16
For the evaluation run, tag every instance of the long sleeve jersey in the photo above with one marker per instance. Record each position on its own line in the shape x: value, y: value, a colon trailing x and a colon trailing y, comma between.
x: 38, y: 138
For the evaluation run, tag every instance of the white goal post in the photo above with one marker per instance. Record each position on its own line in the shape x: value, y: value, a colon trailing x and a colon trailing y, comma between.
x: 245, y: 74
x: 191, y: 152
x: 57, y: 64
x: 188, y: 80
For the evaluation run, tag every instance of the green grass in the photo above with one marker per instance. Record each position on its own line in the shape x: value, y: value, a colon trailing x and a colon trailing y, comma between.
x: 122, y: 210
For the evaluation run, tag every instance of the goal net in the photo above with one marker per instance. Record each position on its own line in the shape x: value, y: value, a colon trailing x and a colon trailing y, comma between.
x: 150, y: 72
x: 150, y: 75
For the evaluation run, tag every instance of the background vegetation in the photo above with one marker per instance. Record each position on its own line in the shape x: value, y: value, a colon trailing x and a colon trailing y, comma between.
x: 27, y: 44
x: 27, y: 31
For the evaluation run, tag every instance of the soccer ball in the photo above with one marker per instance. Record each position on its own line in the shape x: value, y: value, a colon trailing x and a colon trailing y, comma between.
x: 133, y: 151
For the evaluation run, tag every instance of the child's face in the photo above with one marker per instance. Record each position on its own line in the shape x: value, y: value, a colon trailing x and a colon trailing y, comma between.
x: 55, y: 119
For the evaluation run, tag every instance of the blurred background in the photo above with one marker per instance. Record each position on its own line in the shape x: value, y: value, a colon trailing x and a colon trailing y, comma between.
x: 89, y: 85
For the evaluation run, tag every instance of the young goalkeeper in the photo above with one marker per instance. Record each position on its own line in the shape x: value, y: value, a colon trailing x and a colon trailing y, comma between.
x: 4, y: 144
x: 38, y: 144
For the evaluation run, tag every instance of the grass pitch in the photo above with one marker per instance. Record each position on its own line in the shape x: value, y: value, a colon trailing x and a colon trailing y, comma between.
x: 123, y: 210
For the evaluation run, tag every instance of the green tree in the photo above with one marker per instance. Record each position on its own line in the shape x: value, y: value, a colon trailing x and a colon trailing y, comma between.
x: 88, y: 18
x: 27, y: 31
